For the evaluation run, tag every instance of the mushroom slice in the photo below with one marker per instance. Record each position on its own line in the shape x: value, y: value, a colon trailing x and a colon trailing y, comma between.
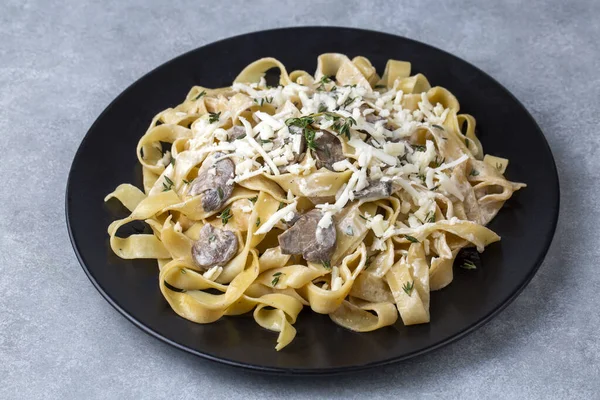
x: 214, y: 247
x: 212, y: 182
x: 375, y: 190
x: 305, y: 237
x: 328, y: 150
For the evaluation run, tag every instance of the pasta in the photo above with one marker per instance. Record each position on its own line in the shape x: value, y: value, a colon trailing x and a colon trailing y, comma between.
x: 344, y: 191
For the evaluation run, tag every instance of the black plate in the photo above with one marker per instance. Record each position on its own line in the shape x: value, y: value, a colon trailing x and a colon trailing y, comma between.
x: 106, y: 158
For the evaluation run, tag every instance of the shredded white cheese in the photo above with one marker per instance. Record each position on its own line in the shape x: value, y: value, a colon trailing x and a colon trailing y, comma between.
x: 272, y: 221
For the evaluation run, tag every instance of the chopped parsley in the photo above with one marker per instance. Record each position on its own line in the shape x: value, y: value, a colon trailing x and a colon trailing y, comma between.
x: 411, y: 239
x: 220, y: 193
x: 276, y: 277
x: 225, y: 216
x: 326, y: 264
x: 202, y: 93
x: 325, y: 79
x: 349, y: 101
x: 214, y: 117
x: 437, y: 162
x: 408, y: 287
x: 168, y: 184
x: 257, y: 221
x: 253, y: 199
x: 430, y: 217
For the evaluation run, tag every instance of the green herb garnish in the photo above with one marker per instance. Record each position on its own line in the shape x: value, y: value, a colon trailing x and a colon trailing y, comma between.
x: 474, y: 172
x: 468, y: 264
x: 168, y: 184
x: 276, y: 277
x: 408, y: 287
x: 309, y: 135
x: 214, y: 117
x: 301, y: 122
x: 379, y: 87
x: 220, y: 192
x: 411, y: 239
x: 225, y: 216
x: 258, y: 221
x: 418, y: 148
x: 342, y: 127
x: 430, y: 217
x: 322, y: 108
x: 349, y: 101
x: 325, y: 79
x: 253, y: 199
x: 202, y: 93
x: 326, y: 264
x: 437, y: 162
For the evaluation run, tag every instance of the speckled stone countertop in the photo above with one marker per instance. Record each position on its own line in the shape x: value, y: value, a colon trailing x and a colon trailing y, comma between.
x: 62, y: 62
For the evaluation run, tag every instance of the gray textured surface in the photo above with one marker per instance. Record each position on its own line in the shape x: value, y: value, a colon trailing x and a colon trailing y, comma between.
x: 62, y: 63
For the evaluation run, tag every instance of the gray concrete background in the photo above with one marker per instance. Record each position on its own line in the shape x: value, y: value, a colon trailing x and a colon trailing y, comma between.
x: 62, y: 62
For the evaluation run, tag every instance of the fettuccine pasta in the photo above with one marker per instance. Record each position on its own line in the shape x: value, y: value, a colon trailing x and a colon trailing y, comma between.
x: 344, y: 191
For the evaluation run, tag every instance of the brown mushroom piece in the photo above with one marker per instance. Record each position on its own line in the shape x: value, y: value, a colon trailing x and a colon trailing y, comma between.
x: 372, y: 118
x: 307, y: 238
x: 328, y: 150
x: 375, y: 190
x: 236, y: 132
x: 214, y: 247
x: 212, y: 180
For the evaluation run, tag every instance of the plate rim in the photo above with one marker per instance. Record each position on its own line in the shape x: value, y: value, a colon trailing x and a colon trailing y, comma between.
x: 327, y: 370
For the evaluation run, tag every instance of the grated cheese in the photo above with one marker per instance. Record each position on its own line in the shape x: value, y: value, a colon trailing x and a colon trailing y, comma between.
x: 274, y: 219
